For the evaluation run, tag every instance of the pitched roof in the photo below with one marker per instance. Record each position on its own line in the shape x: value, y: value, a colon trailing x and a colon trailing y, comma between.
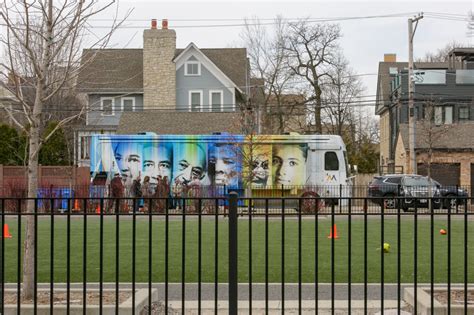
x: 111, y: 70
x: 384, y: 78
x: 231, y: 61
x: 189, y: 123
x: 121, y: 70
x: 444, y: 137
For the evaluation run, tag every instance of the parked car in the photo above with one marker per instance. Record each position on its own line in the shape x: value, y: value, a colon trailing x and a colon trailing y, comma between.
x: 452, y: 196
x: 416, y: 189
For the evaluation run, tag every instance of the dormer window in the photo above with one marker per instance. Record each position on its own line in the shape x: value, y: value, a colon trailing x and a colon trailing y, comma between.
x: 192, y: 68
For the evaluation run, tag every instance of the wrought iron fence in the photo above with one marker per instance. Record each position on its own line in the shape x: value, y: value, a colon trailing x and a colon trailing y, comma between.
x: 231, y: 253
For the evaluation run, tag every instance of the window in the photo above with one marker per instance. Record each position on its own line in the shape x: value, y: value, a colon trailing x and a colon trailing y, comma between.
x: 195, y: 101
x: 438, y: 116
x: 216, y: 101
x: 192, y: 68
x: 85, y: 147
x: 331, y: 162
x: 463, y: 113
x: 128, y: 104
x: 465, y: 76
x: 448, y: 115
x: 443, y: 114
x: 394, y: 180
x: 107, y: 106
x: 436, y: 76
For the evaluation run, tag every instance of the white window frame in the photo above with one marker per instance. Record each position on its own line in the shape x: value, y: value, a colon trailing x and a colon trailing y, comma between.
x: 102, y: 99
x: 459, y: 113
x: 194, y: 62
x: 448, y: 115
x: 190, y: 108
x: 221, y: 92
x: 438, y: 115
x: 128, y: 99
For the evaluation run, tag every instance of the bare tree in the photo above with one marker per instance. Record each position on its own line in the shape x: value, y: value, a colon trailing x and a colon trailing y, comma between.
x: 340, y: 90
x: 431, y: 131
x: 441, y: 55
x: 269, y: 62
x: 312, y: 51
x: 42, y: 44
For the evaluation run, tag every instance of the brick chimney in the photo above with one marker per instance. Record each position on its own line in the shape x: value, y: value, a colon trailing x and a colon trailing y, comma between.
x: 390, y: 57
x: 159, y: 70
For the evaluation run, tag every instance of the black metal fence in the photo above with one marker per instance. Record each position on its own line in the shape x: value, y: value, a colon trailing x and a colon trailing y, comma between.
x: 165, y: 255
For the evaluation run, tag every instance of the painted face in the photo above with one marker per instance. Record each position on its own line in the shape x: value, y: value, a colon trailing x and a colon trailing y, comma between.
x: 224, y: 161
x: 260, y: 170
x: 156, y: 162
x: 190, y: 163
x: 289, y: 165
x: 129, y: 160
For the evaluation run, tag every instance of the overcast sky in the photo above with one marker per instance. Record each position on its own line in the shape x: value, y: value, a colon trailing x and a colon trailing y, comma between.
x: 364, y: 41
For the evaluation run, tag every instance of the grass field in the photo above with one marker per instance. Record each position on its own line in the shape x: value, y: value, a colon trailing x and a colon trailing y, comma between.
x: 258, y: 250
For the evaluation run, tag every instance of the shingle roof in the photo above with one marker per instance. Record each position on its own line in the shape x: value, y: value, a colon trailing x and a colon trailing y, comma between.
x: 111, y: 70
x: 121, y: 70
x: 384, y: 78
x: 444, y: 137
x: 189, y: 123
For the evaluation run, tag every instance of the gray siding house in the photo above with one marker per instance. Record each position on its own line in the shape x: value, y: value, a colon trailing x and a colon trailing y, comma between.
x: 444, y: 114
x: 157, y: 80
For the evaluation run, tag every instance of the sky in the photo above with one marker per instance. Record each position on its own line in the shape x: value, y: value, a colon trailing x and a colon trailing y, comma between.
x: 364, y: 41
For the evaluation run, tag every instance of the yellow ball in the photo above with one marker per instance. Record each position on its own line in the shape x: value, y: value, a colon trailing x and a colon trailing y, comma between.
x: 386, y: 247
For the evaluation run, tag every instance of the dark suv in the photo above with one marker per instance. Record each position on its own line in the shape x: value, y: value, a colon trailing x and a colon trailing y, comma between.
x: 416, y: 189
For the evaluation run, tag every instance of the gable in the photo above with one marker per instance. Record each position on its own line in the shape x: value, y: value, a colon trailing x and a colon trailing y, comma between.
x: 192, y: 52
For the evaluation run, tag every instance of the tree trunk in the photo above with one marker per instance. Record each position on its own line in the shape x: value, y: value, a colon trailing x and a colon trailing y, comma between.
x: 29, y: 251
x: 317, y: 112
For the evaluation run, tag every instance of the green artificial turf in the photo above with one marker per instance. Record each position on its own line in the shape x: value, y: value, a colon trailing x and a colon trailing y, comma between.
x: 308, y: 229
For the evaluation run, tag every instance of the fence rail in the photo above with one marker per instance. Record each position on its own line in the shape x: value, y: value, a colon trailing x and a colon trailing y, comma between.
x: 228, y: 254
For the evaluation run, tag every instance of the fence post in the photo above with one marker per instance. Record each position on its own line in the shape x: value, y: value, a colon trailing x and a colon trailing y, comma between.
x: 233, y: 281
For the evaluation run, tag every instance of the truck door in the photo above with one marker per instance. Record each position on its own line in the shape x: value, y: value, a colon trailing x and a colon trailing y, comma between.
x: 331, y: 169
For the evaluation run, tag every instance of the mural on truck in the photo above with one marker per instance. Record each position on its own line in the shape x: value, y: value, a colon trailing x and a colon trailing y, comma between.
x: 229, y: 160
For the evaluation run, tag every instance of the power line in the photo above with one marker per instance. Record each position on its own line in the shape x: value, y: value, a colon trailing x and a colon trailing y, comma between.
x: 230, y: 107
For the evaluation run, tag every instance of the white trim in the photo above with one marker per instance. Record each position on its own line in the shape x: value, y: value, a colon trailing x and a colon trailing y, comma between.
x: 210, y: 66
x: 189, y: 100
x: 123, y: 99
x: 233, y: 100
x: 210, y: 99
x: 102, y: 106
x: 192, y: 62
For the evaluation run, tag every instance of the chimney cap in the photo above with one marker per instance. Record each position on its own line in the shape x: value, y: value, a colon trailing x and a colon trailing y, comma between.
x: 153, y: 24
x: 390, y: 57
x: 164, y: 24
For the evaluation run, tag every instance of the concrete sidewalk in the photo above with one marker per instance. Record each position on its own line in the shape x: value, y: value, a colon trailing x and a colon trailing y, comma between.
x: 308, y: 291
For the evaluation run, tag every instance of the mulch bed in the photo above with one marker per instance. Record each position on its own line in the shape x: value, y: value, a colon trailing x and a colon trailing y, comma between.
x: 60, y: 298
x: 457, y: 297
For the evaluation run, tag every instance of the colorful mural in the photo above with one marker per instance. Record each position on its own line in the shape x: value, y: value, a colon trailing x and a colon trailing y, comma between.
x: 211, y: 159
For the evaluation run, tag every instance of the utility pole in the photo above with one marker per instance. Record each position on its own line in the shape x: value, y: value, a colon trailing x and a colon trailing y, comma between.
x: 411, y: 90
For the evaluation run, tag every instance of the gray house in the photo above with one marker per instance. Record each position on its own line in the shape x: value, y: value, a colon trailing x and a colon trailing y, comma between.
x: 159, y: 79
x: 444, y: 115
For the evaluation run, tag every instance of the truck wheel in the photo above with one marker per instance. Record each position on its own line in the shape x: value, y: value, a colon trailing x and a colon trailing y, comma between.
x: 311, y: 205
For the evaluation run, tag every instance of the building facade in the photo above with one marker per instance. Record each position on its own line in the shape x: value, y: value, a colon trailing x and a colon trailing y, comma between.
x: 157, y: 80
x: 444, y: 115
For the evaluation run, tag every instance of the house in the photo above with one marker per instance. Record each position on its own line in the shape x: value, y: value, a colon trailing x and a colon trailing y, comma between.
x: 444, y: 113
x: 139, y: 90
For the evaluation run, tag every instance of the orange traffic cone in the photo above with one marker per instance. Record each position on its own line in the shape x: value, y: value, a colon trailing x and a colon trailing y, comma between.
x: 76, y: 205
x: 333, y: 232
x: 6, y: 232
x: 97, y: 210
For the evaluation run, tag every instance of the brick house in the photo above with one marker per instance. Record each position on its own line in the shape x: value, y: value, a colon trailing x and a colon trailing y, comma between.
x: 444, y: 111
x: 161, y: 85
